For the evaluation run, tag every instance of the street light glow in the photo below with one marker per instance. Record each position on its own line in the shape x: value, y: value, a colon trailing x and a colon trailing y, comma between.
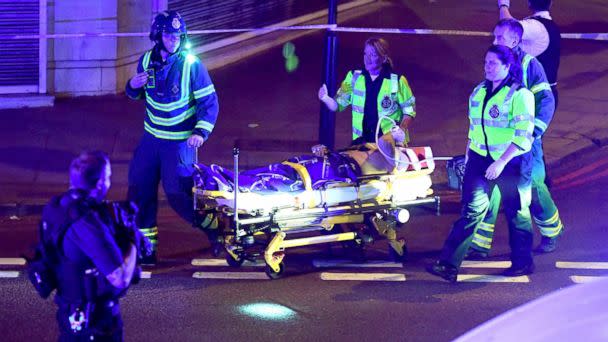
x: 267, y: 311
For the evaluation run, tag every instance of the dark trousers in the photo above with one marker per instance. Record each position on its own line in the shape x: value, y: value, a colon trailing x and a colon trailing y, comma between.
x: 167, y: 160
x: 515, y: 186
x: 105, y: 324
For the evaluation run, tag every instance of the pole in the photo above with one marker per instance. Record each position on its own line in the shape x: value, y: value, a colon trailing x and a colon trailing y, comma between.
x: 327, y: 120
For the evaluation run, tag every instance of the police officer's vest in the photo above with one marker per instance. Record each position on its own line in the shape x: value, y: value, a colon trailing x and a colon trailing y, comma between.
x: 388, y: 104
x: 77, y: 283
x: 550, y: 57
x: 507, y: 117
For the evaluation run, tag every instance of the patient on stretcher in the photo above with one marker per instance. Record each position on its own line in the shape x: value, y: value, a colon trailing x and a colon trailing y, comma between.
x: 322, y: 167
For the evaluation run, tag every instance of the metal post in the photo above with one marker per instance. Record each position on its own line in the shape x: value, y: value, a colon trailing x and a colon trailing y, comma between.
x: 235, y: 154
x: 327, y: 121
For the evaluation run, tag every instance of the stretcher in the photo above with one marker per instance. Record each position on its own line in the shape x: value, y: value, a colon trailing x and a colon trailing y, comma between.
x: 350, y: 197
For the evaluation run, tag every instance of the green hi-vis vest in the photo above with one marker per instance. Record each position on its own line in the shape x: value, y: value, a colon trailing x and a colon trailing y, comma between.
x: 508, y: 117
x: 395, y: 99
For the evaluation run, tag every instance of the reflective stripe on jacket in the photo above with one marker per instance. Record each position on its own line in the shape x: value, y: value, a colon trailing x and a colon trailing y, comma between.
x: 508, y: 117
x: 395, y: 100
x: 180, y: 104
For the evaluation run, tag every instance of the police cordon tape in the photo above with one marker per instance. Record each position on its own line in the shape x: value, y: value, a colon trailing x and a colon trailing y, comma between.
x: 334, y: 28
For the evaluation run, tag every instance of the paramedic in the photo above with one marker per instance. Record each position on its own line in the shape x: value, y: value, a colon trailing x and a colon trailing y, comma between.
x: 501, y: 116
x: 374, y: 92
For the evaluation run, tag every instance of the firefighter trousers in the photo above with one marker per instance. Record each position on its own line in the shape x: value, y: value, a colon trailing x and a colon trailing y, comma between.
x: 156, y: 160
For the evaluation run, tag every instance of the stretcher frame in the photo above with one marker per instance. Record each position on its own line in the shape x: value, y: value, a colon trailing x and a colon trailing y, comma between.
x: 241, y: 233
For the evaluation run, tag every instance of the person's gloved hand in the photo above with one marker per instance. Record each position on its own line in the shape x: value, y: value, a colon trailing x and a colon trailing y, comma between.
x: 195, y: 140
x: 320, y: 150
x: 398, y: 135
x: 504, y: 3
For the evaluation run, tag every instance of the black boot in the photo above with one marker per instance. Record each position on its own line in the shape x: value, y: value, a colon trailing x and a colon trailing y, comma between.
x: 444, y: 270
x: 517, y: 270
x: 547, y: 245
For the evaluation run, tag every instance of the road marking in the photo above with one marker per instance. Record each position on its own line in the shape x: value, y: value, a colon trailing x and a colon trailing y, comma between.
x: 146, y: 274
x: 231, y: 275
x: 12, y: 261
x: 585, y: 279
x: 486, y: 278
x: 318, y: 263
x: 9, y: 274
x: 223, y: 262
x: 485, y: 264
x: 582, y: 265
x: 363, y: 276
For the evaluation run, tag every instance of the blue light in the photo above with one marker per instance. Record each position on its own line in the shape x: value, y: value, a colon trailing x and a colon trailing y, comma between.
x: 268, y: 311
x: 188, y: 45
x: 190, y: 58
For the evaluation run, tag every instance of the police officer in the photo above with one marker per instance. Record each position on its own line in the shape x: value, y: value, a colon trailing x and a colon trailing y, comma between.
x: 508, y: 32
x: 97, y: 261
x: 501, y: 115
x: 181, y: 111
x: 541, y: 37
x: 375, y: 92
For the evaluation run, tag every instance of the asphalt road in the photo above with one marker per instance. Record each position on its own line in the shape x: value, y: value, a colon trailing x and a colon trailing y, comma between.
x: 178, y: 303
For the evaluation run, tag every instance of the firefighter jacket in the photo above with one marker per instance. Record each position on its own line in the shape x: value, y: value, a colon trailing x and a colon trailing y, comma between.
x: 180, y: 97
x: 395, y: 99
x: 535, y: 79
x: 498, y: 119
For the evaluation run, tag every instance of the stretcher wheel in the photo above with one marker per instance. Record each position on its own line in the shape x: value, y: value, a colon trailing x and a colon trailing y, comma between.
x: 275, y: 275
x: 234, y: 262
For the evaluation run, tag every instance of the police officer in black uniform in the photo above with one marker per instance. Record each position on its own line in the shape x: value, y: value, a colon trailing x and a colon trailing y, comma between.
x: 97, y: 261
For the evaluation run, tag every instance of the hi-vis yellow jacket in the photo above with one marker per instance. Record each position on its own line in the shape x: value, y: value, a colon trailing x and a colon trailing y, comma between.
x: 506, y: 117
x: 395, y: 100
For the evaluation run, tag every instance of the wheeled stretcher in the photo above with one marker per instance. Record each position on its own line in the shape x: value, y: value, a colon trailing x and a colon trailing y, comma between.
x: 347, y: 196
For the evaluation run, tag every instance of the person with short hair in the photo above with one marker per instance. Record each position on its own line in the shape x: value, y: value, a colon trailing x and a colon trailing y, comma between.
x: 96, y: 262
x: 541, y: 37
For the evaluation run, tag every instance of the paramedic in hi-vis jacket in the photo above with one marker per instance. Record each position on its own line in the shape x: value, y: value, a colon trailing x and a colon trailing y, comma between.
x: 375, y: 92
x: 501, y: 118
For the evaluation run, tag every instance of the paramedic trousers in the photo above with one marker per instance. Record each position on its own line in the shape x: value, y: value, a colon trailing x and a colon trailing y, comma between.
x: 156, y: 160
x: 515, y: 185
x: 543, y: 208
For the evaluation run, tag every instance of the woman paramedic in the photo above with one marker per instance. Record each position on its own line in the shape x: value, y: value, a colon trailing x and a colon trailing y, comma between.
x: 501, y: 115
x: 389, y: 95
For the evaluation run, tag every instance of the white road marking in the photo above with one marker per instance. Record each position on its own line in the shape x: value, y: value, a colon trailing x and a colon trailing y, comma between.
x: 223, y: 262
x: 585, y: 279
x: 146, y: 274
x: 485, y: 264
x: 582, y: 265
x: 12, y: 261
x: 486, y: 278
x: 231, y: 275
x: 363, y: 276
x: 318, y: 263
x: 9, y: 274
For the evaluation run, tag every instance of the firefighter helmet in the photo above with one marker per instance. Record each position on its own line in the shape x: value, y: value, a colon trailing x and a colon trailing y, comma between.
x: 167, y: 22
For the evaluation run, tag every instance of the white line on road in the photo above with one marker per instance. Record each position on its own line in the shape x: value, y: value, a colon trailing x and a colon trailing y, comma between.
x: 582, y: 265
x: 146, y: 274
x: 318, y: 263
x: 486, y: 264
x: 12, y: 261
x: 486, y: 278
x: 9, y: 274
x: 223, y: 262
x: 585, y: 279
x: 363, y: 276
x: 231, y: 275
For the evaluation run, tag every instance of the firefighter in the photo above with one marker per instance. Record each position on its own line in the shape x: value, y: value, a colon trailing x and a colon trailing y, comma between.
x: 501, y: 116
x: 181, y: 111
x: 374, y: 92
x: 508, y: 32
